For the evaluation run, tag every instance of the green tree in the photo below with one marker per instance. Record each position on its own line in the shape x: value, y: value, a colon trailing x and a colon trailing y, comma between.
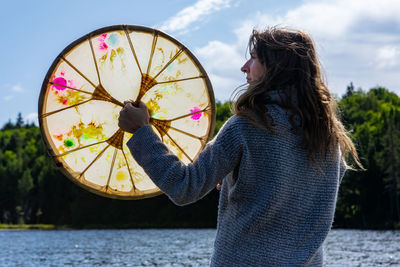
x: 368, y: 199
x: 223, y: 113
x: 25, y: 183
x: 20, y: 121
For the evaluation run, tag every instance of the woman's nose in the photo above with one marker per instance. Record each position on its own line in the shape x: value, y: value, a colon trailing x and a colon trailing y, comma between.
x: 245, y: 67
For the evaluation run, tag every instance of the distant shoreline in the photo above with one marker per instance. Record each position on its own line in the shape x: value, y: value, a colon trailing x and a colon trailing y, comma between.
x: 126, y: 227
x: 91, y: 227
x: 33, y: 227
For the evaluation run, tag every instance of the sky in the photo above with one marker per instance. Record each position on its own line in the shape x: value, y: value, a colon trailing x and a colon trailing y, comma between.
x: 357, y: 40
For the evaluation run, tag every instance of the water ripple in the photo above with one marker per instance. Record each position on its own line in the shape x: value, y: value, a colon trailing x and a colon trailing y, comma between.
x: 183, y: 247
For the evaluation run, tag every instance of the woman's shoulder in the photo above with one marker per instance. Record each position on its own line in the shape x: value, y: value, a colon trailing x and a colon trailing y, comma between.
x: 237, y: 122
x: 239, y: 128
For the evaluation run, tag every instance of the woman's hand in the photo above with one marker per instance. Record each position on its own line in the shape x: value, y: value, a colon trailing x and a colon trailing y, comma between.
x: 219, y: 186
x: 131, y: 118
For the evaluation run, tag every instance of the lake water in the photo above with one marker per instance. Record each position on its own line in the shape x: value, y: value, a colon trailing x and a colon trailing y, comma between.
x: 183, y: 247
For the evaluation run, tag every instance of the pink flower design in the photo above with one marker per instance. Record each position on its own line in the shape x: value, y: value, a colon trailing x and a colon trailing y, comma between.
x: 60, y: 83
x: 196, y: 116
x: 102, y: 42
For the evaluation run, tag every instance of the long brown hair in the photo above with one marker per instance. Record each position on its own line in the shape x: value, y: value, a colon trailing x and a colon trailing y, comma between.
x: 292, y: 67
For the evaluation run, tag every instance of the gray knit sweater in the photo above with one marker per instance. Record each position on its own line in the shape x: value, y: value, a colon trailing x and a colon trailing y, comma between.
x: 276, y: 207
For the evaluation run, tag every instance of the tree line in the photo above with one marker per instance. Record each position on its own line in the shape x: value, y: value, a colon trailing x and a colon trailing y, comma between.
x: 33, y: 190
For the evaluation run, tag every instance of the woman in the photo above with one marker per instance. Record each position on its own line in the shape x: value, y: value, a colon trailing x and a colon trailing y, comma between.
x: 280, y: 158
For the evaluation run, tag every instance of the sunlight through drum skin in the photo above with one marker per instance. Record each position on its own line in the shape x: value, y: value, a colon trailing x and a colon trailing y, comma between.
x: 83, y: 93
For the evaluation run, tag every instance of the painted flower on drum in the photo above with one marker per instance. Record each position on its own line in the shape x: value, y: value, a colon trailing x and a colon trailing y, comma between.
x: 62, y: 88
x: 109, y: 47
x: 196, y: 116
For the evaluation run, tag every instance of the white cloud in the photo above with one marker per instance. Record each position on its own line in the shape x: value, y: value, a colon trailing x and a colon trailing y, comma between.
x: 356, y: 40
x: 32, y: 117
x: 388, y: 56
x: 224, y: 85
x: 187, y: 16
x: 327, y: 19
x: 334, y: 19
x: 324, y: 19
x: 222, y: 62
x: 17, y: 88
x: 220, y: 57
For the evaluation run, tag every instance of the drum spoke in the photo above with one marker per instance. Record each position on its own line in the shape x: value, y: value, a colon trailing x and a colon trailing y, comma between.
x: 129, y: 170
x: 169, y: 63
x: 62, y: 109
x: 186, y: 133
x: 111, y: 168
x: 133, y: 51
x: 178, y: 146
x: 79, y: 90
x: 80, y: 73
x: 190, y: 114
x: 94, y: 160
x: 94, y: 59
x: 153, y: 47
x: 180, y: 80
x: 79, y: 148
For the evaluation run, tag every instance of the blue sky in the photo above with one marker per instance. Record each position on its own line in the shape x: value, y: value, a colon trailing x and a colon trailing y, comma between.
x: 357, y: 40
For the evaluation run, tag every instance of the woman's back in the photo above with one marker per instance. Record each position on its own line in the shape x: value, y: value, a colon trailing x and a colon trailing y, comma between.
x: 277, y: 207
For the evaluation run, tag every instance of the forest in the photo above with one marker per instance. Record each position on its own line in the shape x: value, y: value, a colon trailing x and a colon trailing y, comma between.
x: 34, y: 191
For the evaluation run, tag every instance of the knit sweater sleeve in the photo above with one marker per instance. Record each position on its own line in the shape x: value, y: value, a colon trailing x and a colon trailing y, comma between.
x: 185, y: 184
